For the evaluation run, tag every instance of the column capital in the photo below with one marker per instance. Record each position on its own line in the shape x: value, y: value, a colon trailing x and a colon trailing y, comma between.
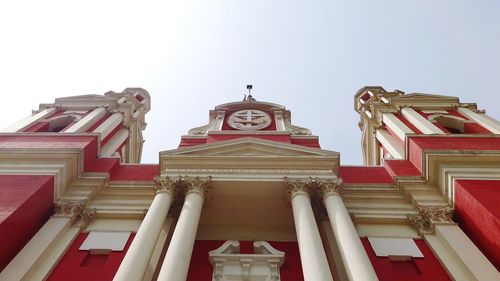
x: 74, y: 210
x: 429, y: 216
x: 69, y: 208
x: 329, y: 187
x: 297, y: 186
x: 196, y: 185
x: 165, y: 184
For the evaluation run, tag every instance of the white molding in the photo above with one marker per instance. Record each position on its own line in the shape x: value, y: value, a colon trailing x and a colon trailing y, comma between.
x: 109, y: 125
x: 112, y: 145
x: 28, y: 121
x: 87, y: 121
x: 396, y: 125
x: 424, y: 125
x: 395, y: 148
x: 482, y: 119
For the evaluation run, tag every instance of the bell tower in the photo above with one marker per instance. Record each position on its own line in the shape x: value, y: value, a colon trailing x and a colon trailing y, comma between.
x: 117, y: 118
x: 387, y: 118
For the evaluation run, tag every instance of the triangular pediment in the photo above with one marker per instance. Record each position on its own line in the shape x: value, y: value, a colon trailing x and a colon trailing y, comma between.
x: 249, y: 146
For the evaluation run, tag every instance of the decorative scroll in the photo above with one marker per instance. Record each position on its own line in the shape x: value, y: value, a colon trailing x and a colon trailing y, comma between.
x: 429, y: 216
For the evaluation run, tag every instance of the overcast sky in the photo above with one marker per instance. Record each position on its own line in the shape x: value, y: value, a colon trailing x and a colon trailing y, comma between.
x: 310, y: 56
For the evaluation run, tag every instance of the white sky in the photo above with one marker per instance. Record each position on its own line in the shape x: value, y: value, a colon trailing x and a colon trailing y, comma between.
x: 310, y: 56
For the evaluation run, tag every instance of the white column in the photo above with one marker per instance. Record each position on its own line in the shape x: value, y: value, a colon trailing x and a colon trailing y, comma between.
x: 219, y: 121
x: 482, y: 119
x: 388, y: 141
x: 112, y: 145
x: 176, y: 263
x: 459, y: 255
x: 41, y: 254
x: 462, y: 259
x: 356, y: 262
x: 86, y: 122
x: 109, y: 125
x: 30, y: 120
x: 312, y: 253
x: 278, y: 119
x: 396, y: 125
x: 136, y: 261
x: 424, y: 125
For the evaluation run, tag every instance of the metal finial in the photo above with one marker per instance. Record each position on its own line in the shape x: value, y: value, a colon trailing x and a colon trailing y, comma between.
x: 249, y: 97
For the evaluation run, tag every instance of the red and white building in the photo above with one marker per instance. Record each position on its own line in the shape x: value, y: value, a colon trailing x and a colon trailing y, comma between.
x: 250, y: 196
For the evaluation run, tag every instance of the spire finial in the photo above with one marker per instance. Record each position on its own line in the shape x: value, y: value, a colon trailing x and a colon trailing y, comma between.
x: 249, y: 97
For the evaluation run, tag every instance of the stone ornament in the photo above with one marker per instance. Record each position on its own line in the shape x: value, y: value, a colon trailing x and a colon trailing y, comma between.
x: 297, y: 186
x: 229, y: 264
x: 197, y: 184
x: 429, y: 216
x: 75, y: 210
x: 68, y: 209
x: 249, y: 120
x: 325, y: 187
x: 165, y: 184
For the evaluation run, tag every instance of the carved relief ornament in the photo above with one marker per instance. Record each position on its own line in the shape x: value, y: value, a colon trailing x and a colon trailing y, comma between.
x: 165, y: 185
x: 197, y: 184
x: 429, y: 216
x: 75, y: 210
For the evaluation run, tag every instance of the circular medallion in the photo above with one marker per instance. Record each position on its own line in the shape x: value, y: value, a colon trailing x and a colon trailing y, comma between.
x: 249, y: 120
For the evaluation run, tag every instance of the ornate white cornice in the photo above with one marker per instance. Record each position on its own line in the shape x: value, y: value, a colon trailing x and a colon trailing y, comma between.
x: 429, y: 216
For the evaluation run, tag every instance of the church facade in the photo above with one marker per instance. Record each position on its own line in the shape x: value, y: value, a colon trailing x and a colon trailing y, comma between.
x: 250, y: 195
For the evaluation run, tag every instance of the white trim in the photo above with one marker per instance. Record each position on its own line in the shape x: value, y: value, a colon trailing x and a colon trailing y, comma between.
x: 28, y: 121
x: 87, y: 121
x: 482, y: 119
x: 109, y: 125
x: 395, y: 148
x: 112, y: 145
x: 424, y: 125
x: 459, y: 255
x: 396, y: 125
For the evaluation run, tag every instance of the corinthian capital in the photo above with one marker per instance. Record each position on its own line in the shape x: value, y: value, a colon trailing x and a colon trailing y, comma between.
x: 196, y: 184
x: 429, y: 216
x: 328, y: 187
x: 297, y: 186
x: 69, y: 209
x: 165, y: 184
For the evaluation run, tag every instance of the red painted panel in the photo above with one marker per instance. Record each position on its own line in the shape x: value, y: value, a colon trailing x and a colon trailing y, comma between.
x: 306, y: 142
x: 401, y: 168
x: 38, y: 127
x: 216, y: 137
x: 103, y: 165
x: 110, y: 135
x: 418, y: 144
x: 26, y: 202
x: 360, y: 174
x: 136, y: 172
x: 478, y: 214
x: 427, y: 268
x: 185, y: 142
x: 474, y: 128
x: 201, y: 270
x: 79, y: 265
